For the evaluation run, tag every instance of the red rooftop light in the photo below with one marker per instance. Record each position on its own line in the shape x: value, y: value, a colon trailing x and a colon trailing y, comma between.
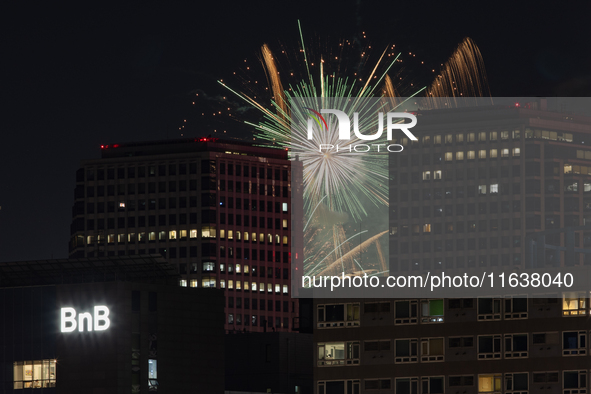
x: 207, y: 139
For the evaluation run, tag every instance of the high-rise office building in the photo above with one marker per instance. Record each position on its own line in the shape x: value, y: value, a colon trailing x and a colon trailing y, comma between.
x: 217, y: 210
x: 471, y: 194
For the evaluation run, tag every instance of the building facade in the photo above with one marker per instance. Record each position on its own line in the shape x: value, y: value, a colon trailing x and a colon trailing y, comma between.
x: 109, y: 325
x: 469, y: 195
x: 219, y: 211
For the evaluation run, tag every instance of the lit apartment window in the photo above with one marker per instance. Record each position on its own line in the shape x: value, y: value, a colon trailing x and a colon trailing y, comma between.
x: 183, y: 283
x: 34, y: 374
x: 230, y: 284
x: 246, y: 269
x: 459, y: 137
x: 172, y: 234
x: 111, y: 238
x: 437, y: 174
x: 516, y: 152
x: 142, y: 237
x: 130, y: 237
x: 269, y: 287
x: 432, y: 349
x: 494, y: 188
x: 516, y: 345
x: 482, y: 189
x: 437, y: 140
x: 426, y: 175
x: 407, y: 385
x: 277, y: 288
x: 277, y: 239
x: 432, y: 385
x: 238, y: 285
x: 448, y: 138
x: 222, y: 233
x: 261, y: 287
x: 489, y: 309
x: 222, y: 283
x: 493, y: 136
x: 426, y: 228
x: 432, y: 311
x: 338, y: 315
x: 230, y: 318
x: 151, y: 236
x: 253, y: 286
x: 489, y: 347
x: 285, y: 289
x: 285, y: 240
x: 246, y: 285
x: 208, y: 266
x: 208, y: 281
x: 238, y: 235
x: 516, y: 383
x: 238, y: 268
x: 505, y: 152
x: 406, y: 350
x: 490, y: 384
x: 230, y: 234
x: 504, y: 135
x: 183, y: 234
x: 516, y: 307
x: 493, y: 153
x: 471, y: 155
x: 470, y: 137
x: 482, y: 154
x: 574, y: 304
x: 193, y: 283
x: 449, y: 156
x: 246, y: 236
x: 206, y: 232
x: 338, y: 353
x: 574, y: 382
x: 284, y: 207
x: 406, y: 312
x: 152, y: 375
x: 574, y: 343
x: 460, y: 155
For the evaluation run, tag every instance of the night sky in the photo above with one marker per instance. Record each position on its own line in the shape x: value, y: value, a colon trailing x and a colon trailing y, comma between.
x: 80, y: 76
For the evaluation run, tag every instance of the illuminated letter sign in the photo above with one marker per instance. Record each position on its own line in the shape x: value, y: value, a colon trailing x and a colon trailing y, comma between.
x: 100, y: 318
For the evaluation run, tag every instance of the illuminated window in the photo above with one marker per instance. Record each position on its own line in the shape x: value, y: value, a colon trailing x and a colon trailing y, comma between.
x: 489, y: 384
x: 142, y: 237
x: 284, y: 223
x: 183, y: 283
x: 238, y: 268
x: 482, y: 154
x: 230, y: 284
x: 246, y: 268
x: 152, y: 375
x: 261, y: 287
x: 222, y: 283
x: 277, y: 288
x: 449, y: 156
x: 285, y: 289
x: 482, y: 136
x: 516, y: 152
x: 269, y: 287
x: 470, y: 137
x: 253, y: 286
x: 459, y: 137
x: 246, y: 286
x: 34, y: 374
x: 130, y: 237
x: 246, y: 236
x: 151, y: 236
x: 261, y: 237
x: 574, y: 304
x: 269, y: 239
x: 206, y: 232
x: 437, y: 140
x: 493, y: 136
x: 459, y: 155
x: 208, y: 266
x: 448, y: 138
x: 432, y: 311
x: 193, y: 283
x: 253, y: 237
x: 505, y: 152
x: 222, y: 234
x: 238, y: 285
x: 437, y: 174
x: 426, y: 175
x: 493, y: 154
x: 238, y: 235
x: 277, y: 239
x: 426, y: 139
x: 183, y: 234
x: 482, y: 189
x: 230, y: 234
x: 427, y: 228
x: 90, y: 239
x: 111, y: 238
x: 504, y: 135
x: 284, y: 207
x: 432, y: 349
x: 471, y: 155
x: 338, y: 353
x: 172, y: 234
x: 285, y: 240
